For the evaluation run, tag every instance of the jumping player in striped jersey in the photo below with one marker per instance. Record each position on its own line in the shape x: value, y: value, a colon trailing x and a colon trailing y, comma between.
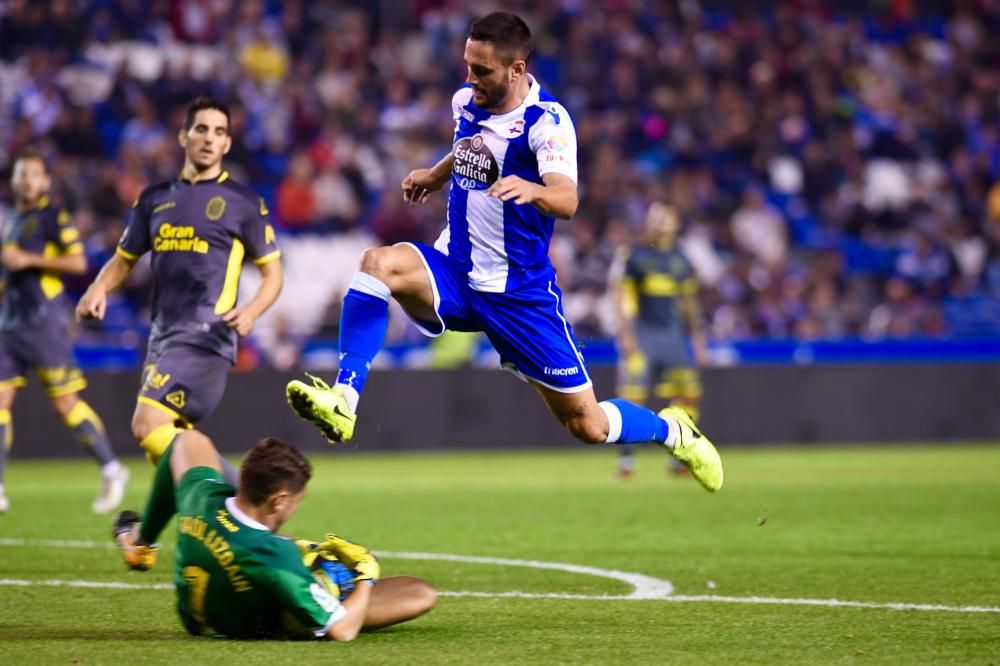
x: 512, y: 171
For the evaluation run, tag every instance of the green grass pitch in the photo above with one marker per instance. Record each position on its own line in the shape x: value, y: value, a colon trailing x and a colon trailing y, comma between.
x: 883, y: 525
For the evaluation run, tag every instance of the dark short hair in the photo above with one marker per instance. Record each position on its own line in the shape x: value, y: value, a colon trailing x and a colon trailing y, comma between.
x: 270, y: 466
x: 509, y: 35
x: 32, y: 154
x: 202, y: 103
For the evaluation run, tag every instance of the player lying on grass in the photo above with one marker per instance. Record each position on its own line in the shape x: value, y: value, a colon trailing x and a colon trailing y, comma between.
x: 235, y: 576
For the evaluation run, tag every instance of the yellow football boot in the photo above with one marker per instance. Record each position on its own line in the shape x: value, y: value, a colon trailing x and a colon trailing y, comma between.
x: 323, y: 406
x: 693, y: 449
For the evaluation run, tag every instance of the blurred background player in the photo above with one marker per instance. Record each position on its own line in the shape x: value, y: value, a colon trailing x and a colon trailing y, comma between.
x: 235, y: 576
x: 39, y: 245
x: 199, y: 227
x: 513, y: 171
x: 657, y: 297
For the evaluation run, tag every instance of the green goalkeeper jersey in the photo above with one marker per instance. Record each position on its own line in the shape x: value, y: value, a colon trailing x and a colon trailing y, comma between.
x: 234, y: 577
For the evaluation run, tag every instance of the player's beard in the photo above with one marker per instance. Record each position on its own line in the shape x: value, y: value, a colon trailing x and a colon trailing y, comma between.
x: 495, y: 97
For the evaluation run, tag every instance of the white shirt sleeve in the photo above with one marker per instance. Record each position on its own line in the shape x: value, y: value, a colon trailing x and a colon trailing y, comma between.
x: 461, y: 97
x: 553, y: 140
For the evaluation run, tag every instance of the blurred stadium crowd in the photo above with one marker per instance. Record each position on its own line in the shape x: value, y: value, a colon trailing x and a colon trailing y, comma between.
x: 837, y: 172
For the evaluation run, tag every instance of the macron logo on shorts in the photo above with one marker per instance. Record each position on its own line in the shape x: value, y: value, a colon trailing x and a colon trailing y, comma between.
x: 562, y: 372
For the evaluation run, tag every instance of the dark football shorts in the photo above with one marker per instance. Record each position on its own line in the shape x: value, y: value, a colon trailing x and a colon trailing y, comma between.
x: 182, y: 380
x: 43, y: 347
x: 664, y: 361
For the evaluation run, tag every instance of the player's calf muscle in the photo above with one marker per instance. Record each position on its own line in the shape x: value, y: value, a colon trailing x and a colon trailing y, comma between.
x: 588, y: 429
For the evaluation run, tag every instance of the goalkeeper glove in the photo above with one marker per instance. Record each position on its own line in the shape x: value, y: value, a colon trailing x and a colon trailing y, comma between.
x: 355, y: 556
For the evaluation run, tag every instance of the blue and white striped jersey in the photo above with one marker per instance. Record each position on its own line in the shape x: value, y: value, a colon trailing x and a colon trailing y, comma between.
x: 502, y: 245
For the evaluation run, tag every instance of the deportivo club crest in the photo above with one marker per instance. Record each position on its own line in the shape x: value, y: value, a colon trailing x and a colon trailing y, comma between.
x: 215, y: 208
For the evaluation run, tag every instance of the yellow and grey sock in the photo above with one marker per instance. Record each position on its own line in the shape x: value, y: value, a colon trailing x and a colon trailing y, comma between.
x: 6, y: 440
x: 158, y: 441
x: 89, y: 430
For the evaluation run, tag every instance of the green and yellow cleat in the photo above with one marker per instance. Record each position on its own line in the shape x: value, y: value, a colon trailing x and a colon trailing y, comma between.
x: 137, y: 556
x: 694, y: 449
x: 323, y: 406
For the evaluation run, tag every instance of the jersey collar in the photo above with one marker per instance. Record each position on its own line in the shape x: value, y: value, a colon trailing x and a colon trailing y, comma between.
x: 41, y: 204
x: 482, y: 115
x: 223, y: 177
x: 238, y: 514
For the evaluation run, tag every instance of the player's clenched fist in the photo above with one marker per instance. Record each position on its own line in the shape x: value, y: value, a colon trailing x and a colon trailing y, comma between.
x: 355, y: 556
x: 92, y: 304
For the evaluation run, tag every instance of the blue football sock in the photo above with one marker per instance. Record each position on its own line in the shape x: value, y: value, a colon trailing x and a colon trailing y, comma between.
x: 363, y: 323
x: 632, y: 424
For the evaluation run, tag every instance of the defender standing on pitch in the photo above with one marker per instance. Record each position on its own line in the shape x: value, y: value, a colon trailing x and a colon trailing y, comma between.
x: 512, y: 170
x: 39, y: 245
x: 199, y: 227
x: 658, y: 313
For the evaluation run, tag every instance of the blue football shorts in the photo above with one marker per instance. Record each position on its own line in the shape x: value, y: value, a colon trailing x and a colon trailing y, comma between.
x: 526, y: 326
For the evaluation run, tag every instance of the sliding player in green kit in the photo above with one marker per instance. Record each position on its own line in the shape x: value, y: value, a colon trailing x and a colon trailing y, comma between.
x: 235, y: 576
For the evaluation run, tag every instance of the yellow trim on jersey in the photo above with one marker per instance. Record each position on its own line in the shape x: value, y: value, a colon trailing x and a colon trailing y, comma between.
x: 127, y: 256
x: 9, y: 244
x: 160, y: 406
x: 43, y: 202
x: 660, y: 284
x: 73, y: 248
x: 227, y: 299
x: 52, y: 284
x: 267, y: 258
x: 13, y: 382
x: 223, y: 177
x: 689, y: 286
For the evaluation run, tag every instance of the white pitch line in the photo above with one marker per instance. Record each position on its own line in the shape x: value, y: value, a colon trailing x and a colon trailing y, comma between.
x: 826, y: 603
x: 644, y: 587
x: 100, y: 584
x: 57, y: 543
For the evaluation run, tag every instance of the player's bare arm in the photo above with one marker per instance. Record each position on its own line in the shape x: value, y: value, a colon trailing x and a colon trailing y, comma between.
x: 243, y: 318
x: 419, y: 183
x: 94, y: 301
x: 699, y: 340
x: 356, y: 604
x: 556, y: 197
x: 16, y: 259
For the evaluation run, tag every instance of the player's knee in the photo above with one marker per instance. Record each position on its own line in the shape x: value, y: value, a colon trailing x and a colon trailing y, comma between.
x: 139, y: 429
x: 64, y: 404
x: 142, y: 427
x: 378, y: 262
x: 588, y: 430
x: 426, y: 597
